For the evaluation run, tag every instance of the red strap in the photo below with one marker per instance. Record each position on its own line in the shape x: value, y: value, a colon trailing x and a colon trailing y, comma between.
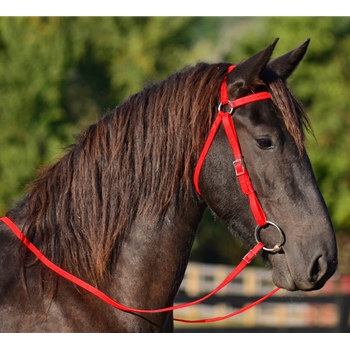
x: 224, y: 98
x: 239, y: 102
x: 220, y: 318
x: 246, y: 260
x: 208, y: 142
x: 241, y: 172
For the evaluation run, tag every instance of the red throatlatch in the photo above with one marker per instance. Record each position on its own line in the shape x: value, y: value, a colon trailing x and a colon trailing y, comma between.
x: 225, y: 118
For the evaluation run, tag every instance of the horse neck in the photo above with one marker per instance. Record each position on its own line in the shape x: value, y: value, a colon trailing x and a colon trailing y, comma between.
x: 172, y: 238
x: 151, y: 263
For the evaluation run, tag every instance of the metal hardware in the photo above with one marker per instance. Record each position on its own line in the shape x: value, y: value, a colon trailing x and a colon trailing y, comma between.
x: 239, y: 161
x: 277, y: 247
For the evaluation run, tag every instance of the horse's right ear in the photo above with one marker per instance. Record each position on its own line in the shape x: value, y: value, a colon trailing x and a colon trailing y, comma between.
x: 246, y: 72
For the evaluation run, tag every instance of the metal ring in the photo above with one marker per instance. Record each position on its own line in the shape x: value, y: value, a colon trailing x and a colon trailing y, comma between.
x: 277, y: 247
x: 229, y: 104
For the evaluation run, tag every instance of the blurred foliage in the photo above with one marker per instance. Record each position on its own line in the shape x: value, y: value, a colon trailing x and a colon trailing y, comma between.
x: 60, y: 74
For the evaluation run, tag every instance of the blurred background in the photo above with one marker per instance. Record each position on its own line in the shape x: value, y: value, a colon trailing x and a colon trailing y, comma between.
x: 60, y: 74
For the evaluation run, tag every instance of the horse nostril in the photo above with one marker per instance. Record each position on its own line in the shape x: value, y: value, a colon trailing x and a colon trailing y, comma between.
x: 318, y: 269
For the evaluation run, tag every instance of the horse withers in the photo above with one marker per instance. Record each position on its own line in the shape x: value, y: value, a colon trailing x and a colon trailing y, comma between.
x: 120, y: 210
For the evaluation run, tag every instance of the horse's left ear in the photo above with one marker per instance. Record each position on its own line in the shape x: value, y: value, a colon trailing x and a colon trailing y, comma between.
x: 285, y: 65
x: 246, y: 72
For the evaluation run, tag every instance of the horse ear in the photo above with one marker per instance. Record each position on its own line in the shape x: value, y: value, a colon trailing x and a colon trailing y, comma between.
x: 285, y: 65
x: 246, y: 72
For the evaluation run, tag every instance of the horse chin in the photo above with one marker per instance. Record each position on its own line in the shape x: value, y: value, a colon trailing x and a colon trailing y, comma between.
x: 281, y: 275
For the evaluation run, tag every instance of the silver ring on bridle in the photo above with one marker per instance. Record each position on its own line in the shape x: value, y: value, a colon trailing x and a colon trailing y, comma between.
x: 277, y: 247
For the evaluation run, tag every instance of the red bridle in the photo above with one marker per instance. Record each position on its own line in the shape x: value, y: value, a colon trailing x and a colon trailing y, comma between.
x: 246, y: 186
x: 225, y: 118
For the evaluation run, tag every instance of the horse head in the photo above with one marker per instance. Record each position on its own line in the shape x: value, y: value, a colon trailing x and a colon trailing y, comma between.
x: 271, y: 138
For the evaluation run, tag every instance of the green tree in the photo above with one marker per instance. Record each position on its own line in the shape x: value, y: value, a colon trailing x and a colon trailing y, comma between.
x: 59, y: 74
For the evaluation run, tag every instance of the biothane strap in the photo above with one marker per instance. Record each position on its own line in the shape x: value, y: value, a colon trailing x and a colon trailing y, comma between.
x: 77, y: 281
x: 226, y: 119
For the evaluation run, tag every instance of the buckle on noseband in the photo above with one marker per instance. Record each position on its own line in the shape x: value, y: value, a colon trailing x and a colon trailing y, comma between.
x: 277, y: 247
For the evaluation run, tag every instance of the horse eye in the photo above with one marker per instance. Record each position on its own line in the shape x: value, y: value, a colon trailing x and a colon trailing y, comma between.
x: 264, y: 143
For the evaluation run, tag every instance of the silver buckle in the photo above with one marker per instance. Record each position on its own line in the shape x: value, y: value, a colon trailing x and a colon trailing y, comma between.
x: 242, y: 166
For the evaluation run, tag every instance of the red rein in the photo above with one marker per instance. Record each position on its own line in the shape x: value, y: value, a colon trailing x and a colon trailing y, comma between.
x: 246, y: 187
x: 246, y: 260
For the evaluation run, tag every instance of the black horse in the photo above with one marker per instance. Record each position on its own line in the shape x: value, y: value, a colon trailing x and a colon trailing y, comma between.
x: 120, y: 209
